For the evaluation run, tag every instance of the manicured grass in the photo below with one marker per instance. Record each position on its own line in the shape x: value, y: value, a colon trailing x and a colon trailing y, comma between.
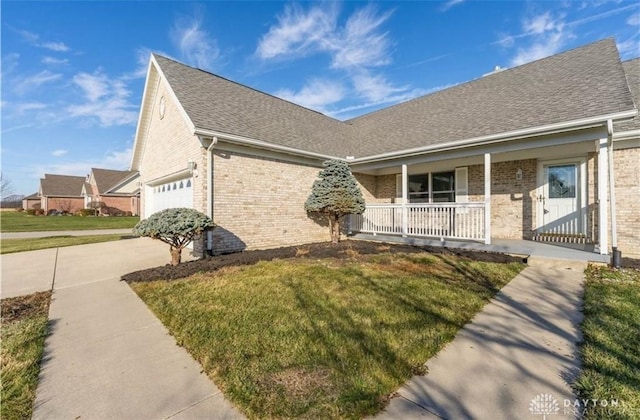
x: 322, y: 338
x: 13, y: 221
x: 23, y: 328
x: 20, y: 245
x: 611, y: 329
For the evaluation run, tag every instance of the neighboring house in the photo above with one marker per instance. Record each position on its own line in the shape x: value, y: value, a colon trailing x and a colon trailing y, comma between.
x: 524, y: 153
x: 117, y: 190
x: 30, y: 201
x: 61, y: 193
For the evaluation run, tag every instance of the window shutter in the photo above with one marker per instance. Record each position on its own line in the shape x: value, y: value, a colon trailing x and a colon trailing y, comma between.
x: 462, y: 185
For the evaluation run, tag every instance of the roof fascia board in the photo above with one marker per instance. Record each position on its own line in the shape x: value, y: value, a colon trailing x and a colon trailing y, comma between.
x: 626, y: 135
x: 259, y: 144
x: 502, y: 137
x: 550, y: 140
x: 223, y: 147
x: 184, y: 173
x: 142, y: 125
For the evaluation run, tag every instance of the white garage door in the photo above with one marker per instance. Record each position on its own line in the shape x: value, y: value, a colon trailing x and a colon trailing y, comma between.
x: 178, y: 193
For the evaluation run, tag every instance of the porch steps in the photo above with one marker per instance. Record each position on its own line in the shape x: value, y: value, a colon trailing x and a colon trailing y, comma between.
x: 562, y: 238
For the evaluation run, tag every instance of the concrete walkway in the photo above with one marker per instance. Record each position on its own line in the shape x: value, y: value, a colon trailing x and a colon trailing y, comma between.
x: 47, y: 234
x: 521, y: 345
x: 108, y: 356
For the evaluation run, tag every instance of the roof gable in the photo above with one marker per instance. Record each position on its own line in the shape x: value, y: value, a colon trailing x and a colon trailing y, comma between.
x: 107, y: 179
x: 632, y: 72
x: 61, y: 185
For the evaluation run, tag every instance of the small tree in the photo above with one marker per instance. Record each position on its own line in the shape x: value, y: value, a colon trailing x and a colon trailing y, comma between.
x: 335, y: 194
x: 176, y: 227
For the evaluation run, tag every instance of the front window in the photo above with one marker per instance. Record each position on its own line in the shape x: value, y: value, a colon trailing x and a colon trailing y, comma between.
x: 432, y: 188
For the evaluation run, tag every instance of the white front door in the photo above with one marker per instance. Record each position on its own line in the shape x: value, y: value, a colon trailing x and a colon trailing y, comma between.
x: 560, y: 205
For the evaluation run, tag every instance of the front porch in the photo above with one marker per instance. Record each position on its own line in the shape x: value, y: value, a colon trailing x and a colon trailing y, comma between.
x: 551, y: 189
x: 520, y: 247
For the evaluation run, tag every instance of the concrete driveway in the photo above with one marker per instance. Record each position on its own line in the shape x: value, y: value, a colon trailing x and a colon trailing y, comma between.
x: 107, y: 356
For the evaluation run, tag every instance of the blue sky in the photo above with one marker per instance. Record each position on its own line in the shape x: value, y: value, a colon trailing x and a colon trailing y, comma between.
x: 73, y: 72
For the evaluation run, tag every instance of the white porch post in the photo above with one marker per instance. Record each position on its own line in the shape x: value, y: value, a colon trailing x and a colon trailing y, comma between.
x: 405, y: 193
x: 603, y: 171
x: 487, y: 198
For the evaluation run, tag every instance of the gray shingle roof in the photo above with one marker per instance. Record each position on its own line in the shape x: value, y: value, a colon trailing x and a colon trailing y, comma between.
x: 215, y: 103
x: 581, y: 83
x: 632, y: 71
x: 106, y: 179
x: 31, y: 196
x: 62, y: 185
x: 585, y: 82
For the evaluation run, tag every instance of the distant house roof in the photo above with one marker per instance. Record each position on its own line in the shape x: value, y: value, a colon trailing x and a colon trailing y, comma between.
x: 582, y: 83
x: 61, y: 185
x: 107, y: 179
x: 33, y: 196
x: 632, y: 71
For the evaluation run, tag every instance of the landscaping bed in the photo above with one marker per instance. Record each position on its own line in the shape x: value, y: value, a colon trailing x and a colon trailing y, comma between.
x: 345, y: 249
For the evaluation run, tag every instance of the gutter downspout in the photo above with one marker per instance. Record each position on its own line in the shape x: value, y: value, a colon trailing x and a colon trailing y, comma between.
x: 214, y: 141
x: 616, y: 255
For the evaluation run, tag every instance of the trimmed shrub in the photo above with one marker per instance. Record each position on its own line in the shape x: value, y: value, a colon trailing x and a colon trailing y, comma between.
x: 176, y: 227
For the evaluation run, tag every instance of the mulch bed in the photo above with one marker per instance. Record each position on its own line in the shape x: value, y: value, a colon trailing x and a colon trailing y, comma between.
x: 21, y: 307
x: 344, y: 250
x: 626, y: 262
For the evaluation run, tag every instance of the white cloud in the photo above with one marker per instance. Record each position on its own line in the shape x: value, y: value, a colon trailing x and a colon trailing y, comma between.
x: 361, y: 43
x: 118, y: 160
x: 59, y: 152
x: 539, y: 24
x: 21, y: 108
x: 34, y: 39
x: 298, y: 32
x: 375, y: 87
x: 449, y: 4
x: 9, y: 64
x: 54, y: 60
x: 55, y: 46
x: 107, y: 100
x: 634, y: 20
x: 195, y: 44
x: 27, y: 83
x: 629, y: 48
x: 317, y: 94
x: 94, y: 85
x: 547, y: 34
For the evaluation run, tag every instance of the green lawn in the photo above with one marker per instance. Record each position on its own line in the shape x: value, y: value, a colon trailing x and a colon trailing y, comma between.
x: 611, y: 329
x: 13, y: 221
x: 20, y: 245
x: 23, y: 329
x: 322, y: 338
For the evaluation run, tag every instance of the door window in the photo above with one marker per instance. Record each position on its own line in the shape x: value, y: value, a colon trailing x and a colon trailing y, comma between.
x: 562, y: 181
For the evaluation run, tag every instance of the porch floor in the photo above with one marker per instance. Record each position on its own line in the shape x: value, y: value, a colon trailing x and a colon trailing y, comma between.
x: 506, y: 246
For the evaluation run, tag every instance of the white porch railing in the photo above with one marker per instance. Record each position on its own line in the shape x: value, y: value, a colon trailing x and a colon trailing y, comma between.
x: 440, y: 220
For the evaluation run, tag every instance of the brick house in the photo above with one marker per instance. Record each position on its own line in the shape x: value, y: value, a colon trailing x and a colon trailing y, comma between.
x: 30, y: 201
x: 61, y: 193
x: 525, y: 153
x: 118, y: 191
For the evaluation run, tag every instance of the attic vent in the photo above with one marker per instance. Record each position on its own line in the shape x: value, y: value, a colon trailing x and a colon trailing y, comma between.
x: 498, y: 69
